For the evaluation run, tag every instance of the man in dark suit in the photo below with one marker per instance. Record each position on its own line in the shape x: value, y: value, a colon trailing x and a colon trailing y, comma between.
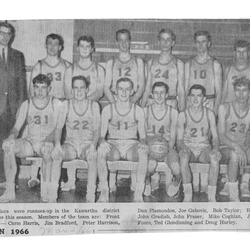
x: 13, y: 86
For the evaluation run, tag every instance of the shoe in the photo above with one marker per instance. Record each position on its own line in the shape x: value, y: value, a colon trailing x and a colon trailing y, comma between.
x: 155, y: 179
x: 225, y: 190
x: 33, y: 183
x: 244, y: 190
x: 173, y: 191
x: 147, y: 191
x: 104, y: 196
x: 66, y: 187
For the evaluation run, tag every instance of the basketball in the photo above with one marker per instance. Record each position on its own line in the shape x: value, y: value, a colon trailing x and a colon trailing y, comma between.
x: 158, y: 147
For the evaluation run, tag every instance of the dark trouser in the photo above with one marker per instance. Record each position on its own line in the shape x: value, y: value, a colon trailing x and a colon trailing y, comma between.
x: 6, y: 124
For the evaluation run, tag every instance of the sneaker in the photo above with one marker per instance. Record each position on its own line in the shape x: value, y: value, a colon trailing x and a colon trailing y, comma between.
x: 173, y: 191
x: 147, y: 191
x: 225, y: 190
x: 66, y: 187
x: 244, y: 190
x: 33, y: 183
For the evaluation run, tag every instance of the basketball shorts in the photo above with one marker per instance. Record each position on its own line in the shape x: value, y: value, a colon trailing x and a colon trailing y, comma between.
x: 123, y: 146
x: 37, y: 145
x: 197, y: 150
x: 79, y: 147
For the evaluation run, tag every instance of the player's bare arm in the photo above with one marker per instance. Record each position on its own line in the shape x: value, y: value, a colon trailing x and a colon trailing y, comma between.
x: 180, y: 132
x: 68, y: 82
x: 100, y: 85
x: 149, y: 83
x: 222, y: 114
x: 108, y: 82
x: 141, y: 81
x: 217, y: 85
x: 181, y: 86
x: 97, y: 123
x: 140, y: 117
x: 173, y: 128
x: 213, y: 129
x: 225, y: 85
x: 105, y: 117
x: 187, y: 76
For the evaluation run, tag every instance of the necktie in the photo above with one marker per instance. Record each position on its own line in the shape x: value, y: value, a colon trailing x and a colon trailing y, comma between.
x: 3, y: 55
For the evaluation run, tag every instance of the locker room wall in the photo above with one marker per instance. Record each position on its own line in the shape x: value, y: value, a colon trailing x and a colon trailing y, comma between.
x: 224, y: 33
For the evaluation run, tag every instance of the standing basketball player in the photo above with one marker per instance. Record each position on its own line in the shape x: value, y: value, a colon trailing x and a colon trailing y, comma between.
x: 124, y: 65
x: 53, y: 66
x: 194, y: 127
x: 233, y: 126
x: 239, y: 68
x: 161, y: 119
x: 41, y: 114
x: 82, y: 133
x: 168, y: 69
x: 121, y: 121
x: 93, y: 71
x: 205, y: 70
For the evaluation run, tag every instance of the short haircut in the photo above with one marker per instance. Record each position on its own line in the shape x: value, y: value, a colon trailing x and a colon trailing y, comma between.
x: 168, y: 31
x: 202, y: 33
x: 123, y: 31
x: 82, y: 78
x: 241, y: 44
x: 41, y: 78
x: 198, y: 86
x: 160, y: 84
x: 9, y: 26
x: 243, y: 81
x: 88, y: 39
x: 56, y: 37
x: 125, y: 79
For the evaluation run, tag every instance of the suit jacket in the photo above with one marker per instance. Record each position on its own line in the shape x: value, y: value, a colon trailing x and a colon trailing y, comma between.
x: 13, y: 84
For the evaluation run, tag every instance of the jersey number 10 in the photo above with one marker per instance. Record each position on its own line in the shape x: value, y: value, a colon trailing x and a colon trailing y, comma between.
x: 203, y: 74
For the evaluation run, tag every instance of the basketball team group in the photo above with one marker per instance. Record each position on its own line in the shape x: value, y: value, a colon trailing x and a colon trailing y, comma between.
x: 162, y: 110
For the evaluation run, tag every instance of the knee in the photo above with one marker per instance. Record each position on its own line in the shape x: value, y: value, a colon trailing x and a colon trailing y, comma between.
x: 91, y: 157
x: 102, y: 153
x: 233, y: 156
x: 184, y: 154
x: 46, y: 150
x: 152, y: 164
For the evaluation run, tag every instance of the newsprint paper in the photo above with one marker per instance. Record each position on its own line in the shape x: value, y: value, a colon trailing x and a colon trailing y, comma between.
x: 110, y: 126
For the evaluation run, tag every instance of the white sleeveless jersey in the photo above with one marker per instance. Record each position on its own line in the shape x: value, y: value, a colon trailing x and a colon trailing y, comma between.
x: 234, y: 74
x: 125, y: 69
x: 196, y: 132
x: 122, y: 127
x: 41, y: 122
x: 167, y: 73
x: 157, y: 126
x: 56, y: 74
x: 93, y: 73
x: 79, y: 127
x: 236, y: 126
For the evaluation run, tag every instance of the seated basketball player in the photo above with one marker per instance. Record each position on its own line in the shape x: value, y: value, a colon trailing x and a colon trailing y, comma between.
x: 82, y: 133
x: 161, y: 119
x: 233, y: 126
x: 86, y: 67
x: 194, y: 127
x: 41, y: 114
x: 121, y: 122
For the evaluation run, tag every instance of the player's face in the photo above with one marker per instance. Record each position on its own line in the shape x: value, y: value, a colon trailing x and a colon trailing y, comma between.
x: 241, y: 94
x: 166, y: 42
x: 53, y: 47
x: 41, y: 90
x: 85, y: 50
x: 202, y: 44
x: 123, y: 42
x: 124, y: 91
x: 196, y: 98
x: 241, y: 54
x: 5, y: 35
x: 159, y: 95
x: 79, y: 90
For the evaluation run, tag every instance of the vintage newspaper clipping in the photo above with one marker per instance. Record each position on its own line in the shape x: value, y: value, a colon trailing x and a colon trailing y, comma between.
x: 124, y: 125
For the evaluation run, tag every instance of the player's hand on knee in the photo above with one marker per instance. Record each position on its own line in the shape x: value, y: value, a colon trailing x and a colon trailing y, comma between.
x: 8, y: 144
x: 105, y: 147
x: 57, y: 152
x: 91, y: 152
x: 143, y: 147
x: 47, y: 148
x: 216, y: 155
x: 241, y: 156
